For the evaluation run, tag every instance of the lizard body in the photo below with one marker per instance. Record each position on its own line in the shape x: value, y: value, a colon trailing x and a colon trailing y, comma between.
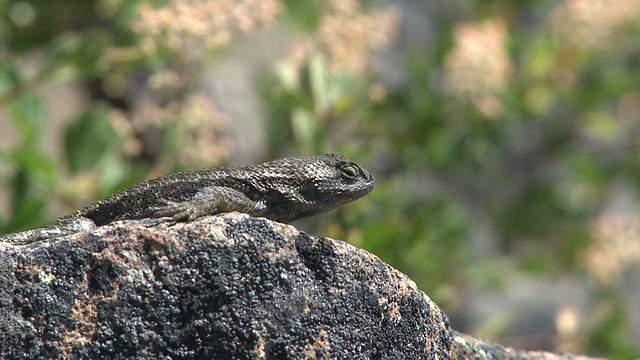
x: 283, y: 190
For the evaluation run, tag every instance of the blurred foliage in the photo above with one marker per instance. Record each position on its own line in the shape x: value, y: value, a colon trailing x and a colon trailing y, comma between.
x: 71, y: 51
x: 500, y: 147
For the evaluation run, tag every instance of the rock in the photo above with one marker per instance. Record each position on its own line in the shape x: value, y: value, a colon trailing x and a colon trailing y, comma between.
x: 466, y: 347
x: 223, y: 287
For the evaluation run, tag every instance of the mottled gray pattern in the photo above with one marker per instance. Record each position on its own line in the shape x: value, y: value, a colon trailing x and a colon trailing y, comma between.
x: 282, y: 190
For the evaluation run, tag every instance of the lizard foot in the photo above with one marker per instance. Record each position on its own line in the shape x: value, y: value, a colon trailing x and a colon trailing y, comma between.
x: 177, y: 211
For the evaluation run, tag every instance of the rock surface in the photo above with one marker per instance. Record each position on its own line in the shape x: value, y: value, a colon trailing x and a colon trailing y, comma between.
x: 224, y: 287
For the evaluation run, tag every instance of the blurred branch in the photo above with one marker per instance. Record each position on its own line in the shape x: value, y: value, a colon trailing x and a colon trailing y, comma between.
x: 28, y: 86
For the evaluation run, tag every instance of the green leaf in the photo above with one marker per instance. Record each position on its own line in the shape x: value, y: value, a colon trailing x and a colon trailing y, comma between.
x: 26, y: 111
x: 59, y: 52
x: 34, y: 171
x: 89, y: 57
x: 89, y: 139
x: 34, y: 162
x: 303, y: 14
x: 85, y: 53
x: 29, y: 116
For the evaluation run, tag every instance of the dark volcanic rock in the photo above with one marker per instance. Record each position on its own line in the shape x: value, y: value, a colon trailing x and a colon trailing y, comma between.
x: 224, y: 287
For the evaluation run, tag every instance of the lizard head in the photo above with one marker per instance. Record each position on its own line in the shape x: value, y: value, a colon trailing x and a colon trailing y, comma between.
x: 333, y: 180
x: 297, y: 187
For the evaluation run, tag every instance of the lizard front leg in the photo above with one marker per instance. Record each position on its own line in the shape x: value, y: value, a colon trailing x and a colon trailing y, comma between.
x: 208, y: 201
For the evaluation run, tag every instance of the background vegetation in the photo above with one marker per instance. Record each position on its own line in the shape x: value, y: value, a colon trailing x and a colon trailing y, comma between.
x: 503, y: 136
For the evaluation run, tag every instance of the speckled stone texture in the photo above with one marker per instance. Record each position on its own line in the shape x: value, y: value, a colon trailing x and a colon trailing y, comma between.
x: 223, y: 287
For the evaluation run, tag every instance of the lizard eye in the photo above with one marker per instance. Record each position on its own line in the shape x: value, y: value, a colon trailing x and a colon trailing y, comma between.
x: 349, y: 172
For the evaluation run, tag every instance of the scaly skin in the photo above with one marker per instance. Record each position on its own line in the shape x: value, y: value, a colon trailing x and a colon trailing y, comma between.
x: 282, y: 190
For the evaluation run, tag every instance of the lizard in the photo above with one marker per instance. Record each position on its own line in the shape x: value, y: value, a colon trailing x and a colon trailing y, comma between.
x: 282, y: 190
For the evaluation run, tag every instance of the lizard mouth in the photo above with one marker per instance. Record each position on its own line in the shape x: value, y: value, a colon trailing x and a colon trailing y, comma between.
x: 368, y: 184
